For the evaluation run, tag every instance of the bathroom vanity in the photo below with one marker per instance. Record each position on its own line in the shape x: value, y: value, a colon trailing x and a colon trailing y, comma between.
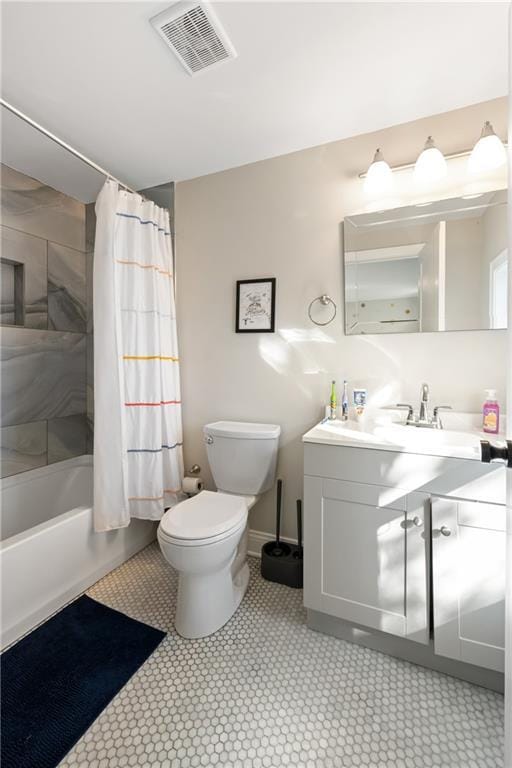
x: 405, y: 544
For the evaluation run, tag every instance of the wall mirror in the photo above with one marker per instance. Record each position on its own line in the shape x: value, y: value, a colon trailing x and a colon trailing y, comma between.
x: 440, y: 266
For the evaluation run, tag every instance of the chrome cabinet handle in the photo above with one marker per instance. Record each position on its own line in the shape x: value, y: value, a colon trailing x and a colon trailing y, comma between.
x: 418, y: 522
x: 445, y: 530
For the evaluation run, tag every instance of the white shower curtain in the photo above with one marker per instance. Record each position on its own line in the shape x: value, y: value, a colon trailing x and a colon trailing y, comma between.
x: 138, y: 463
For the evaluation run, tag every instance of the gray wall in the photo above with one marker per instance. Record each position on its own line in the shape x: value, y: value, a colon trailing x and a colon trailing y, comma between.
x: 46, y: 325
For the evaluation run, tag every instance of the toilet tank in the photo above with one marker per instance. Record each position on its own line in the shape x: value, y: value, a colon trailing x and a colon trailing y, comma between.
x: 242, y: 455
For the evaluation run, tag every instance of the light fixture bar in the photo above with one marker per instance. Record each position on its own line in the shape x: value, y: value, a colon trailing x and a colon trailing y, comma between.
x: 406, y: 166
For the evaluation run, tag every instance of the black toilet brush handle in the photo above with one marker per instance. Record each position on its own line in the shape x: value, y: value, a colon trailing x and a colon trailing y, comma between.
x: 278, y: 515
x: 299, y: 523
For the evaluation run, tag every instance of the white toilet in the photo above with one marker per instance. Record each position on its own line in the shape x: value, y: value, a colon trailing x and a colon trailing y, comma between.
x: 205, y: 537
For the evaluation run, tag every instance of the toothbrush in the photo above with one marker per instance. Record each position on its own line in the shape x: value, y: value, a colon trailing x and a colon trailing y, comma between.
x: 344, y: 402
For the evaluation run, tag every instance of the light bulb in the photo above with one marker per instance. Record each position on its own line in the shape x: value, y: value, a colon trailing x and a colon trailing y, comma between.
x: 488, y: 153
x: 379, y: 176
x: 430, y: 165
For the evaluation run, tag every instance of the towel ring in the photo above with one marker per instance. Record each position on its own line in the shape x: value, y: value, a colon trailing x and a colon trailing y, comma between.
x: 324, y: 300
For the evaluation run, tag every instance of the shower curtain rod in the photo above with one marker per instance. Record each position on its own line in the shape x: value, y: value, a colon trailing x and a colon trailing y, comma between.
x: 66, y: 146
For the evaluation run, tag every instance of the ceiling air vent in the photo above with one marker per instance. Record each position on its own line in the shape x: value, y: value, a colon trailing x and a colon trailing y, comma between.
x: 195, y: 35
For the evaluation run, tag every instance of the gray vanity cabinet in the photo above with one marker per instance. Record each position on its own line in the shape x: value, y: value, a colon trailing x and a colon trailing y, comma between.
x: 468, y: 566
x: 401, y: 546
x: 366, y: 554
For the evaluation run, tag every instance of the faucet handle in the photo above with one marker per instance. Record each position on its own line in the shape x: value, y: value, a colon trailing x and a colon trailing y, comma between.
x: 410, y: 410
x: 436, y: 421
x: 442, y: 408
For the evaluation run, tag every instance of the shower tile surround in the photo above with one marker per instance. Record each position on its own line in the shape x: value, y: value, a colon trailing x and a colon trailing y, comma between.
x: 67, y: 308
x: 267, y: 691
x: 45, y: 338
x: 26, y: 255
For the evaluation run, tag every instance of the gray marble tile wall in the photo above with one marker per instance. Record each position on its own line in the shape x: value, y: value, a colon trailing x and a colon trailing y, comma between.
x: 10, y: 300
x: 26, y: 254
x: 46, y: 319
x: 67, y: 437
x: 67, y: 310
x: 30, y: 206
x: 23, y: 447
x: 42, y: 374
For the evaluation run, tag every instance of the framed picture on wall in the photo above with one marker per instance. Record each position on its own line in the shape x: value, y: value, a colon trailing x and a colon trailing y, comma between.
x: 256, y: 305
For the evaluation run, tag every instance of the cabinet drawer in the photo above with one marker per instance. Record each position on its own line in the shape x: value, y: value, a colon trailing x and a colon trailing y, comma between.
x: 386, y: 468
x: 361, y: 493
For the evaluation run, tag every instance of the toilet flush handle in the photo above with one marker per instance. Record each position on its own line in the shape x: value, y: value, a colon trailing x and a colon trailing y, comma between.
x: 208, y: 439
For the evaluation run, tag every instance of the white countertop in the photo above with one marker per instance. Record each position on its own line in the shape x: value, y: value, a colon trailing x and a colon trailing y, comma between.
x: 382, y: 433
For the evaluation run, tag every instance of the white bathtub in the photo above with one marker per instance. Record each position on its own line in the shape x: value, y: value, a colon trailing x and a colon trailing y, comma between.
x: 49, y: 552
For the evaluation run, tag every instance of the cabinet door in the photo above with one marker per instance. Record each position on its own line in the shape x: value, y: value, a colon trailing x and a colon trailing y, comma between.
x: 468, y: 550
x: 366, y: 555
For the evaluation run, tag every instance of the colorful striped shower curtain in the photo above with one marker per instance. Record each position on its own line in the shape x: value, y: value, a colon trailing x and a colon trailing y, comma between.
x: 138, y: 463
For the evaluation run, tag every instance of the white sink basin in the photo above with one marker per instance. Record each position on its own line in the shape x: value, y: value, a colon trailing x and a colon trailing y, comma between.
x: 422, y: 435
x: 398, y: 437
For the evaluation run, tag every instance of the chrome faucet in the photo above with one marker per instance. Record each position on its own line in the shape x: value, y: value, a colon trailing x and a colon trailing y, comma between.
x: 423, y: 419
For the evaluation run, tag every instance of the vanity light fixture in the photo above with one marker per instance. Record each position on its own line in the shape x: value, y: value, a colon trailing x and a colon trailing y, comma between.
x: 488, y: 153
x: 379, y: 176
x: 431, y: 164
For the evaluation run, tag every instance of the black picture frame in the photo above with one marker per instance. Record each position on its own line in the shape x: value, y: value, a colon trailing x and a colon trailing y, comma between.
x: 241, y: 323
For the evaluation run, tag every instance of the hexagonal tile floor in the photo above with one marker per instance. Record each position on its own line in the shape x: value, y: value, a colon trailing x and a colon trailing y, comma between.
x: 267, y: 691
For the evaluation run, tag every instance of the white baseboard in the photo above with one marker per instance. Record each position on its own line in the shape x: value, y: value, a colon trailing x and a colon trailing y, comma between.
x: 258, y: 538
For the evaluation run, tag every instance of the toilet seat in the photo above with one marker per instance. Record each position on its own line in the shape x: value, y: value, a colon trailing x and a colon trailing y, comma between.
x: 204, y: 518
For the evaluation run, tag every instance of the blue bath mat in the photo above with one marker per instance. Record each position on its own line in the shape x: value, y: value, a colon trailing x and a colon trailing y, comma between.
x: 57, y: 680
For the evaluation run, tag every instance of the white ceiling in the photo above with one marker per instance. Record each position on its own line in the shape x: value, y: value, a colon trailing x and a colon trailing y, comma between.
x: 307, y: 73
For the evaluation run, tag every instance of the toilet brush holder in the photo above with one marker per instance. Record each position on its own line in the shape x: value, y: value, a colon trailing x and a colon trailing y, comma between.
x: 283, y: 563
x: 285, y: 570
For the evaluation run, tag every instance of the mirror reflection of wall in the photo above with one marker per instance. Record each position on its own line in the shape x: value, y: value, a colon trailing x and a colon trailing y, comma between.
x: 382, y: 289
x: 436, y: 267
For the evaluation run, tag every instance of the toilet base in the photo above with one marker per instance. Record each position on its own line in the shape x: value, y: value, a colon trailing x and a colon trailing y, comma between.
x: 207, y: 601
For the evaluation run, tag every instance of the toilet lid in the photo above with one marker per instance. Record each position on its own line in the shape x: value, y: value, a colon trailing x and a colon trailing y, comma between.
x: 205, y: 515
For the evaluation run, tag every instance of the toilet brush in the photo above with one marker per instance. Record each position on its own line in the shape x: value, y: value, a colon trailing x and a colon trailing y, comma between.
x: 299, y: 552
x: 281, y: 562
x: 278, y: 549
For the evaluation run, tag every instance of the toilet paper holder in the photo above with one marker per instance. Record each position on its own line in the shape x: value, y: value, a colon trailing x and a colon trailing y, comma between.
x: 194, y: 469
x: 192, y: 485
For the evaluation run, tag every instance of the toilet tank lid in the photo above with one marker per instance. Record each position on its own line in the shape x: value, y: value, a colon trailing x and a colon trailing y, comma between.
x: 243, y: 430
